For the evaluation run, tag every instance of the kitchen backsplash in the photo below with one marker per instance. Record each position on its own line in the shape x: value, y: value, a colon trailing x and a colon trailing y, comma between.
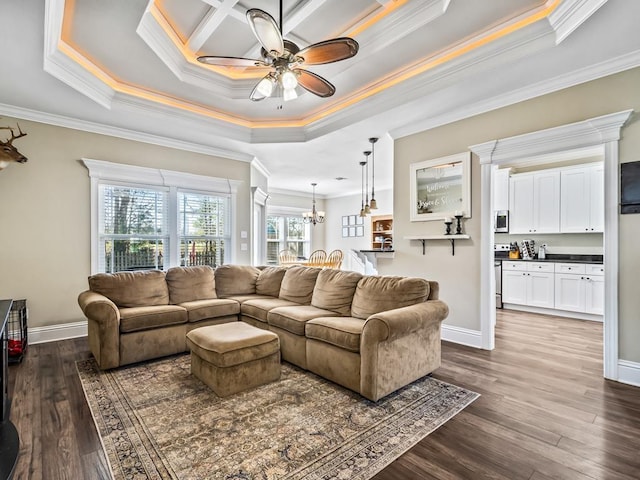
x: 577, y: 243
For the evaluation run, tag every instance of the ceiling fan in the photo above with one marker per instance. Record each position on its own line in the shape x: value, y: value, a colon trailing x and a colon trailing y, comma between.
x: 285, y: 59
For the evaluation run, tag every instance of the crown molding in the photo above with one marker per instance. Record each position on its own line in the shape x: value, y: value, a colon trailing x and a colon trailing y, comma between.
x: 570, y: 14
x: 587, y: 74
x: 259, y: 166
x: 127, y: 134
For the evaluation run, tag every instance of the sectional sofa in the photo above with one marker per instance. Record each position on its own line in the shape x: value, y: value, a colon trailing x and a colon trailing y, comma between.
x: 371, y: 334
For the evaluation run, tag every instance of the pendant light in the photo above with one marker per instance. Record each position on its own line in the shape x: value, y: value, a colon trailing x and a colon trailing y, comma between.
x: 367, y: 208
x: 373, y: 205
x: 362, y: 212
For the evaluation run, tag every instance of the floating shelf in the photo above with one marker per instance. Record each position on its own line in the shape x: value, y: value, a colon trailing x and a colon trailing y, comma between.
x: 451, y: 238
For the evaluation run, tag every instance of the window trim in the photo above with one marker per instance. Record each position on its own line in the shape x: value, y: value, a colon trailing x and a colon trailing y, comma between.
x: 276, y: 211
x: 101, y: 171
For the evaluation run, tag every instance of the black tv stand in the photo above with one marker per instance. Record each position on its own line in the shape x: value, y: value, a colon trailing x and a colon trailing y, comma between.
x: 9, y: 440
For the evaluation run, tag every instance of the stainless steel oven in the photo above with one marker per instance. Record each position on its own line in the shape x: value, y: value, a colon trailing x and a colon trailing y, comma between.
x: 501, y: 221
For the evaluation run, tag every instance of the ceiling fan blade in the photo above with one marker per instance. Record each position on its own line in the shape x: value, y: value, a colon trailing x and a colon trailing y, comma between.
x: 329, y: 51
x: 231, y: 61
x: 266, y: 30
x: 314, y: 83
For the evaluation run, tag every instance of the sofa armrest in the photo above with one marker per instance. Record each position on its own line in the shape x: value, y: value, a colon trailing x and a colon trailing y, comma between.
x: 103, y: 326
x: 98, y: 307
x: 396, y: 323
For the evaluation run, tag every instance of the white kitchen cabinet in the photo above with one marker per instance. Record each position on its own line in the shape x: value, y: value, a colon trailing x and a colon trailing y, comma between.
x: 582, y: 291
x: 582, y: 199
x: 501, y: 189
x: 528, y: 284
x: 534, y: 202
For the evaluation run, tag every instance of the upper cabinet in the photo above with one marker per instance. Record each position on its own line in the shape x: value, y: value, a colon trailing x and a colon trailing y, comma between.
x: 534, y: 200
x: 501, y: 189
x: 582, y: 199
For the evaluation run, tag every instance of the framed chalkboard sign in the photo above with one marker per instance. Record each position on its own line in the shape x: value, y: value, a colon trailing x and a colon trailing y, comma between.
x: 441, y: 188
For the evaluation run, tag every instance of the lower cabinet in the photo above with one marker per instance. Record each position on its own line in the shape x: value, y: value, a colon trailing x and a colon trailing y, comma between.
x: 573, y: 287
x: 528, y: 284
x: 580, y: 292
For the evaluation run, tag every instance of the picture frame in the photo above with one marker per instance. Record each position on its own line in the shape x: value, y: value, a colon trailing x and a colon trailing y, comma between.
x: 359, y: 230
x: 352, y: 231
x: 345, y: 220
x: 359, y: 220
x: 440, y: 188
x: 352, y: 219
x: 345, y: 232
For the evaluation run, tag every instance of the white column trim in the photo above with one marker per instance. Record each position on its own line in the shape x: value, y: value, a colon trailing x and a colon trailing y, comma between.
x: 603, y: 131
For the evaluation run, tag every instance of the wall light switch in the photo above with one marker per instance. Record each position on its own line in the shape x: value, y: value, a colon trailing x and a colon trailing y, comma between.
x: 243, y: 234
x: 243, y: 247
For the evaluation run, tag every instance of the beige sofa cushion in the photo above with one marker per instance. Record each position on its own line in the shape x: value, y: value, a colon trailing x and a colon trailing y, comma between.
x: 259, y: 307
x: 187, y: 284
x: 378, y: 294
x: 334, y: 290
x: 297, y: 284
x: 343, y: 332
x: 144, y: 318
x: 213, y: 308
x: 269, y: 281
x: 293, y: 319
x: 141, y: 288
x: 236, y: 280
x: 232, y: 343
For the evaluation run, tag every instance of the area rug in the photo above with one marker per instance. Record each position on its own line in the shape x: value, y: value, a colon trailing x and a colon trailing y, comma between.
x: 156, y: 421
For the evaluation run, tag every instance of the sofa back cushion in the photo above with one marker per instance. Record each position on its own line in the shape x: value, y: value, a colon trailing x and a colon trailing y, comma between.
x: 376, y: 294
x: 235, y: 280
x: 269, y: 281
x: 141, y: 288
x: 334, y: 290
x: 188, y: 284
x: 297, y: 284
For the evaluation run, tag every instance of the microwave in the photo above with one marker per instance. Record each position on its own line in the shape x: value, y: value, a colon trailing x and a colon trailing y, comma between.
x: 501, y: 221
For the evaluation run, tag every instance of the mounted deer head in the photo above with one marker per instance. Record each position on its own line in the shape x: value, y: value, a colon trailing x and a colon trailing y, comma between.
x: 9, y: 153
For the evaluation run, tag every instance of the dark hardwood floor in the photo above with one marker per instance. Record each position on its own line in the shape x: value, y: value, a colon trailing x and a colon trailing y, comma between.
x: 545, y: 411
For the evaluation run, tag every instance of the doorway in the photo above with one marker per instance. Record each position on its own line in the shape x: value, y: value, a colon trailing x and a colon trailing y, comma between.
x: 602, y: 132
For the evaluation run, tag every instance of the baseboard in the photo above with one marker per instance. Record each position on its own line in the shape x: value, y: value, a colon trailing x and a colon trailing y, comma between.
x: 53, y: 333
x: 463, y: 336
x: 629, y: 372
x: 556, y: 313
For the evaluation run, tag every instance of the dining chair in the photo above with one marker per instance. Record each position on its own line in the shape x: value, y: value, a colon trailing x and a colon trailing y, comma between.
x: 287, y: 257
x: 334, y: 260
x: 317, y: 259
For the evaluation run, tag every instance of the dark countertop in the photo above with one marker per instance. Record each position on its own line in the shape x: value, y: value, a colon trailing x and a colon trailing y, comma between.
x: 377, y: 250
x: 554, y: 258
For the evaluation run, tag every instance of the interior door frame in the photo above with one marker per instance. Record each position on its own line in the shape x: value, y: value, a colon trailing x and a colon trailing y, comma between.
x: 603, y: 131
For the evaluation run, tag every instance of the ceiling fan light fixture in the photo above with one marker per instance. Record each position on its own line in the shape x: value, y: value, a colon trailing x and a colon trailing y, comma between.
x: 289, y: 80
x: 265, y: 86
x: 289, y: 94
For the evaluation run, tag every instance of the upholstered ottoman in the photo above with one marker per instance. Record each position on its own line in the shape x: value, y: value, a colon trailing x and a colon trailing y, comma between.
x: 234, y: 356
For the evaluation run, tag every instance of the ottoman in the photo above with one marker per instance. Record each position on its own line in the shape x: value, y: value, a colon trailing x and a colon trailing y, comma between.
x: 234, y: 356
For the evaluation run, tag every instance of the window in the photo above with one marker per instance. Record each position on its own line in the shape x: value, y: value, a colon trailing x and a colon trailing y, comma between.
x: 203, y: 228
x: 133, y: 230
x: 287, y: 232
x: 144, y: 218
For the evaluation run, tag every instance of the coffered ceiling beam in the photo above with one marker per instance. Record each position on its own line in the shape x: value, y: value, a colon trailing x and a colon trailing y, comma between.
x: 211, y: 21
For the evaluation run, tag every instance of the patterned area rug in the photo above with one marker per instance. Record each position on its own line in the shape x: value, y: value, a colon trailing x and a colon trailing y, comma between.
x: 156, y: 421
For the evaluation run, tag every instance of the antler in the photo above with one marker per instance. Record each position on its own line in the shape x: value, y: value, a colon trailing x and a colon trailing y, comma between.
x: 13, y: 134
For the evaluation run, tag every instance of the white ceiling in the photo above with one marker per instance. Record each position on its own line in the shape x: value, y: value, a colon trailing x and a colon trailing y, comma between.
x: 127, y: 68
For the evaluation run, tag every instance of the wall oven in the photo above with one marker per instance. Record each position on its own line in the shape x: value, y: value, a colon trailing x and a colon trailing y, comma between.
x: 501, y: 221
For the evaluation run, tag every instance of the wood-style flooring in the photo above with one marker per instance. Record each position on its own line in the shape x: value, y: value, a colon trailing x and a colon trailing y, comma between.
x: 545, y: 411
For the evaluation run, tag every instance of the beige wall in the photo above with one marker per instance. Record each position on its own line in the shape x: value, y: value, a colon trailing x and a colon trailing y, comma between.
x: 44, y: 212
x: 459, y: 276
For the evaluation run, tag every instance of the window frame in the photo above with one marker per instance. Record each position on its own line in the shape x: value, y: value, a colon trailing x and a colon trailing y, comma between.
x: 286, y: 212
x: 103, y: 172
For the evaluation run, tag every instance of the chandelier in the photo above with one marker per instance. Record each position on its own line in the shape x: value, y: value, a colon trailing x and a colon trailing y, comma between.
x: 313, y: 216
